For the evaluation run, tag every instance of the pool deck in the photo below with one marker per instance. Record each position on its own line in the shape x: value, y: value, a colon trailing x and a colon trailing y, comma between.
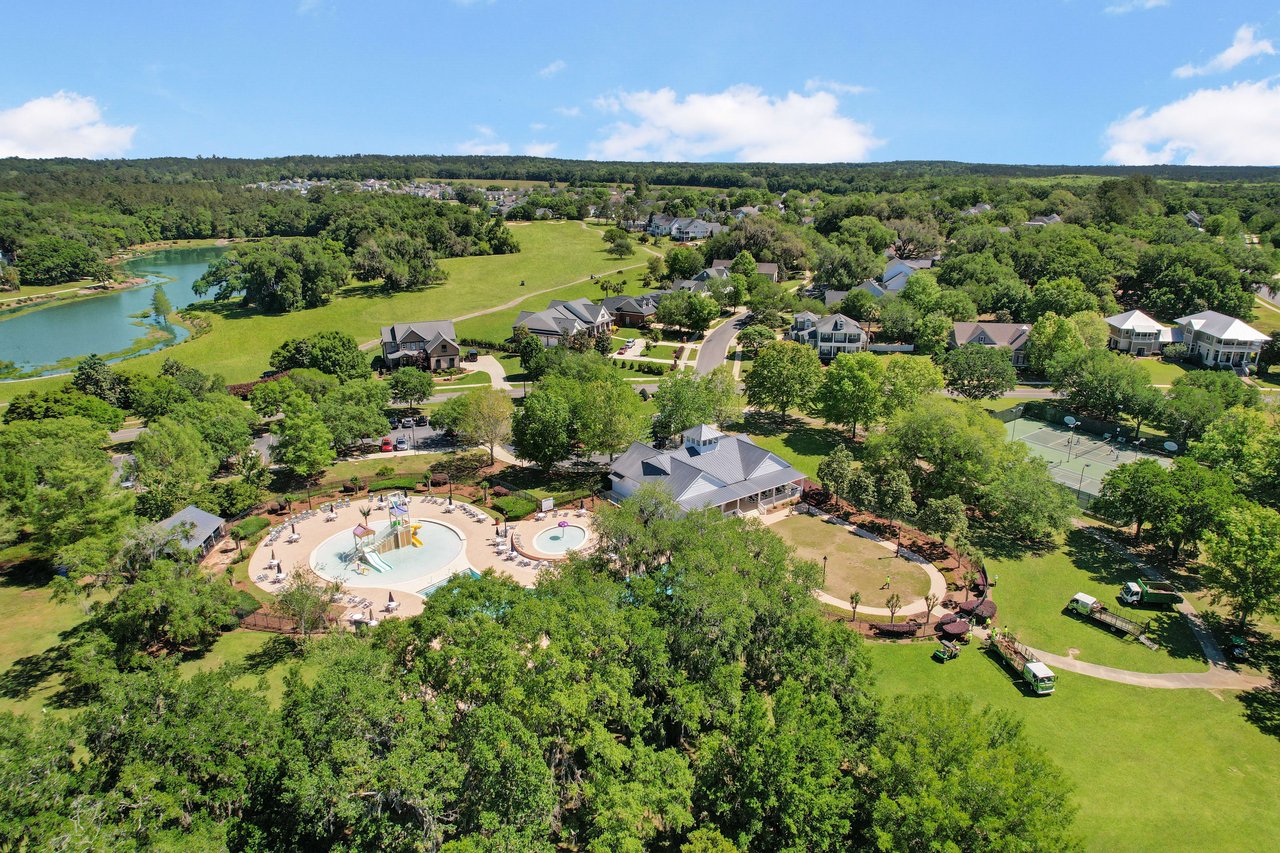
x: 478, y: 551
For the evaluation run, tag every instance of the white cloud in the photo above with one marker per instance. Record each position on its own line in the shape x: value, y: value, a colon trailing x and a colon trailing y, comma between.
x: 742, y: 123
x: 1243, y: 47
x: 552, y: 69
x: 307, y: 7
x: 818, y: 84
x: 1237, y: 125
x: 569, y: 112
x: 484, y: 142
x: 537, y: 126
x: 541, y: 149
x: 61, y: 125
x: 1134, y: 6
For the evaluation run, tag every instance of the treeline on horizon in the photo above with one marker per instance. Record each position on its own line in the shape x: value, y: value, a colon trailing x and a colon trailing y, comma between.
x: 837, y: 178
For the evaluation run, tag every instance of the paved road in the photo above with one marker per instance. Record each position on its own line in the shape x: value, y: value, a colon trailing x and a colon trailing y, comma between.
x: 714, y: 347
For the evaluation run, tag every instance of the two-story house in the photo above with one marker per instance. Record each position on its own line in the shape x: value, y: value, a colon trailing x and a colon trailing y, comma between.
x: 562, y: 319
x: 1221, y: 341
x: 634, y: 311
x: 1136, y: 333
x: 1011, y: 336
x: 830, y: 335
x: 769, y: 271
x: 432, y: 340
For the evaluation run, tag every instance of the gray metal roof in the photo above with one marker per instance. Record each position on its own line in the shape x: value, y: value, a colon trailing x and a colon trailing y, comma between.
x: 1221, y: 326
x: 426, y: 330
x: 696, y: 477
x: 203, y: 524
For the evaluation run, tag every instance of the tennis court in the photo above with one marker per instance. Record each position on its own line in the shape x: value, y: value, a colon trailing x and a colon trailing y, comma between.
x: 1076, y: 458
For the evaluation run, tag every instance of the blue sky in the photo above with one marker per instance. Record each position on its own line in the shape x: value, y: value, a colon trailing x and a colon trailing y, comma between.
x: 1007, y: 81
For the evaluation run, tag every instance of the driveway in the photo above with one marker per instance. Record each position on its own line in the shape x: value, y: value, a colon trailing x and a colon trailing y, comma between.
x: 716, y: 344
x: 493, y: 367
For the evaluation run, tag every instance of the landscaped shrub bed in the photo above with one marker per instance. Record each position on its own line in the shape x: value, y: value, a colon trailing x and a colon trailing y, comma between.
x: 514, y: 508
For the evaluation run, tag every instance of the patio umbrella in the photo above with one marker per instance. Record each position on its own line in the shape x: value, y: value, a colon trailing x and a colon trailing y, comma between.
x: 391, y: 599
x: 279, y: 571
x: 273, y: 553
x: 293, y: 528
x: 958, y: 628
x: 563, y: 524
x: 986, y: 609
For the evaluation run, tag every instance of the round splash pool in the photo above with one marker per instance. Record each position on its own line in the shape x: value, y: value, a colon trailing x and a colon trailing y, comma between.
x: 336, y: 559
x: 558, y: 540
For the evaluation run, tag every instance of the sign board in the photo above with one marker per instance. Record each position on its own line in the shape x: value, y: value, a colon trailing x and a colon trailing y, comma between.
x: 548, y: 504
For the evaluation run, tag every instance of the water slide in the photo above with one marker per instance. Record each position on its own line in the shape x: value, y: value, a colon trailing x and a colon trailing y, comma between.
x: 413, y: 536
x: 374, y: 561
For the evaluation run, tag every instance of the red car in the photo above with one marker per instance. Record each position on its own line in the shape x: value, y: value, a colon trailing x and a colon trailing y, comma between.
x: 386, y: 444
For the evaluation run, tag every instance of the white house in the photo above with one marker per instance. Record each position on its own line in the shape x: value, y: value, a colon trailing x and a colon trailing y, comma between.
x: 1221, y: 341
x: 830, y: 335
x: 710, y: 469
x: 1135, y: 332
x: 561, y: 319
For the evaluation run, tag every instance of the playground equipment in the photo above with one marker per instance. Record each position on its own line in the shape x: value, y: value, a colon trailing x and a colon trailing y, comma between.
x: 370, y: 543
x: 1149, y: 592
x: 1090, y: 608
x: 413, y: 535
x: 1020, y: 659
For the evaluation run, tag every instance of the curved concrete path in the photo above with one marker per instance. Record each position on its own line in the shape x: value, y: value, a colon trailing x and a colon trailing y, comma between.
x: 1215, y: 678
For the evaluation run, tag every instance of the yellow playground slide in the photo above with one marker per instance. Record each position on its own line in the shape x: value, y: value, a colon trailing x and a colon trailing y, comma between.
x: 413, y: 536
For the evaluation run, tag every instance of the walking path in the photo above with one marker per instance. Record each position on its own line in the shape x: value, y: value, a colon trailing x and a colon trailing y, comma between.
x: 937, y: 583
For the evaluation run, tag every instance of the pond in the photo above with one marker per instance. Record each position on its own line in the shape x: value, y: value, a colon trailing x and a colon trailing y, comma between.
x: 46, y: 340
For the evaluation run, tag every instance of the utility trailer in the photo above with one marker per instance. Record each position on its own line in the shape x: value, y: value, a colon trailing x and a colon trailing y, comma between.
x: 1020, y: 659
x: 1090, y: 608
x: 1149, y: 592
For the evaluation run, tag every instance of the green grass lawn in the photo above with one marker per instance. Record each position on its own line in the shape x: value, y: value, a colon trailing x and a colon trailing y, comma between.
x: 802, y: 444
x: 854, y: 563
x: 474, y: 379
x: 33, y: 626
x: 1153, y: 770
x: 264, y: 659
x: 497, y: 326
x: 1162, y: 372
x: 1266, y: 318
x: 368, y: 469
x: 1033, y: 590
x: 666, y: 352
x: 239, y: 342
x: 1001, y: 404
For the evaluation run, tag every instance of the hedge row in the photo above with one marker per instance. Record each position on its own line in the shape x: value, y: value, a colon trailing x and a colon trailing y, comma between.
x: 515, y: 508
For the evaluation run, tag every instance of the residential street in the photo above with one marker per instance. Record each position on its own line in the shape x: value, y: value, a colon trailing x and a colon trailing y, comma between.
x: 714, y: 347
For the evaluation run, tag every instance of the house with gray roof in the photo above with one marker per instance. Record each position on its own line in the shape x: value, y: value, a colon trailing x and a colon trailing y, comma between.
x: 1219, y: 340
x: 200, y: 530
x: 683, y: 229
x: 710, y: 469
x: 562, y: 318
x: 769, y: 271
x: 1010, y: 336
x: 634, y: 311
x: 829, y: 335
x: 434, y: 341
x: 1136, y: 333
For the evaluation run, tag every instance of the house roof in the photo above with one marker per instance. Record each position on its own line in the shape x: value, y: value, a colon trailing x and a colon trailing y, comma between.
x: 762, y: 268
x: 873, y: 287
x: 1012, y: 335
x: 834, y: 297
x: 644, y: 303
x: 203, y: 525
x: 702, y: 432
x: 1222, y: 326
x: 564, y: 317
x: 431, y: 331
x: 1135, y: 321
x: 697, y: 477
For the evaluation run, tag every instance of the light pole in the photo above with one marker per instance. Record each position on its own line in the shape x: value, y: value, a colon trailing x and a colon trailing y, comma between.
x: 824, y: 569
x: 1080, y: 485
x: 1071, y: 439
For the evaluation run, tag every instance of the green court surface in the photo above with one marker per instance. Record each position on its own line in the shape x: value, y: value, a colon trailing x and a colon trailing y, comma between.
x: 1076, y: 458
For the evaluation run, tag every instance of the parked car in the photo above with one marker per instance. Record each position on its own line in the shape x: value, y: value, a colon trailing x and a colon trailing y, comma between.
x: 406, y: 423
x: 402, y: 443
x: 420, y: 420
x: 386, y: 444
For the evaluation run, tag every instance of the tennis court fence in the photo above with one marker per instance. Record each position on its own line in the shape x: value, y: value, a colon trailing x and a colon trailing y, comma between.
x: 1046, y: 412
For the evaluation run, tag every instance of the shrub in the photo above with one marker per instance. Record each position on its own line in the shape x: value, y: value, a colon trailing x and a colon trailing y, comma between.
x: 252, y: 525
x: 899, y: 629
x: 385, y: 470
x: 396, y: 483
x: 499, y: 492
x: 514, y: 508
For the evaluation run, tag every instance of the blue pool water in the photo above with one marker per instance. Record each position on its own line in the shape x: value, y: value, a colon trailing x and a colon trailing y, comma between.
x: 426, y: 564
x: 558, y: 540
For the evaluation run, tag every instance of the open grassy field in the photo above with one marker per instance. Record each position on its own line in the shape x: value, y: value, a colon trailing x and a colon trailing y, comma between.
x: 853, y: 563
x: 800, y: 442
x: 263, y: 659
x: 1033, y: 590
x: 1266, y: 317
x: 239, y: 342
x: 497, y: 325
x: 1153, y: 770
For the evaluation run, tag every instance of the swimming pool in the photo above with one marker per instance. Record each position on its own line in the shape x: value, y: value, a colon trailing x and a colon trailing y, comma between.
x: 558, y: 540
x: 421, y: 565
